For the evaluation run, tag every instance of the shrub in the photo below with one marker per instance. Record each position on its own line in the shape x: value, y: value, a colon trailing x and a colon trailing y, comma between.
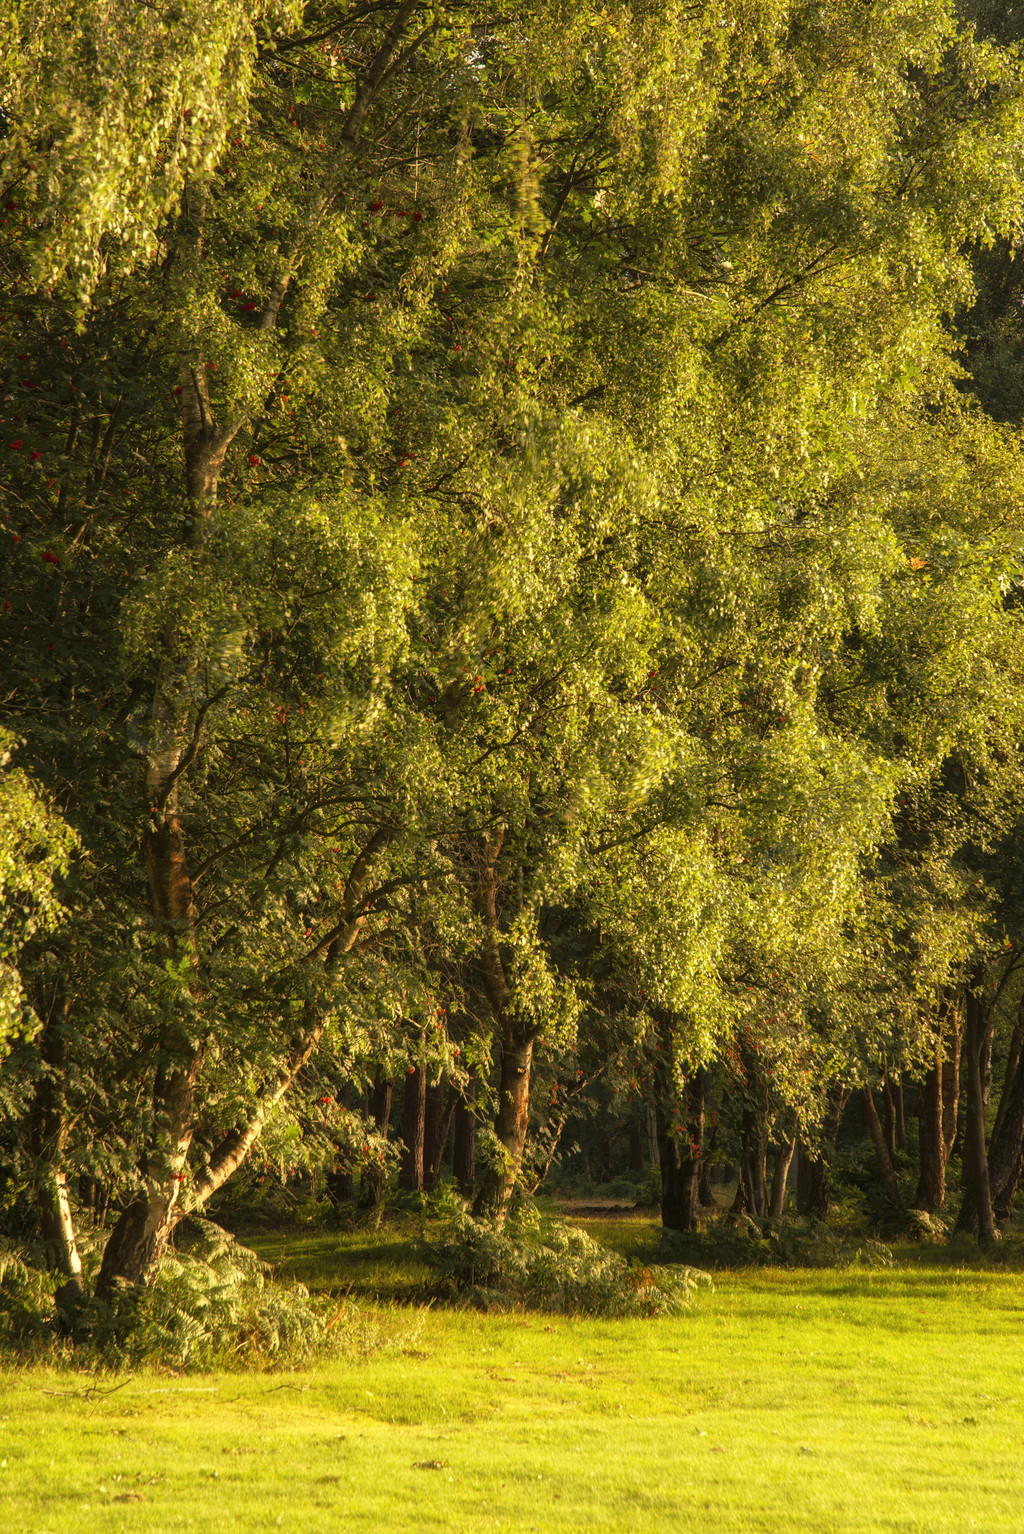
x: 212, y: 1302
x: 556, y: 1268
x: 787, y: 1243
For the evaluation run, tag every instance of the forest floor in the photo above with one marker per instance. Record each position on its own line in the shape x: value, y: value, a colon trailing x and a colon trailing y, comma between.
x: 783, y: 1400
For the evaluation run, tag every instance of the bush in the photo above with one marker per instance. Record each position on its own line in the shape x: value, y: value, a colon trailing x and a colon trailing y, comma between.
x: 787, y: 1243
x: 558, y: 1269
x: 212, y: 1302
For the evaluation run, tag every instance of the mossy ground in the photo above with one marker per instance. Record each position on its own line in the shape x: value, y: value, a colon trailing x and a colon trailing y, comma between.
x: 864, y: 1400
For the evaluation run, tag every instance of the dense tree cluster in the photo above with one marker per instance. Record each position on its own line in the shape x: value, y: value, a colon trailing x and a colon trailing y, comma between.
x: 512, y: 541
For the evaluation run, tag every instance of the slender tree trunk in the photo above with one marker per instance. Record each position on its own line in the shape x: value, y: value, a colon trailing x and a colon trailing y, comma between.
x: 889, y: 1126
x: 414, y: 1113
x: 510, y: 1128
x: 1009, y: 1075
x: 464, y: 1149
x: 937, y: 1109
x: 814, y: 1196
x: 901, y: 1122
x: 753, y: 1163
x: 953, y: 1032
x: 976, y: 1213
x: 1006, y: 1146
x: 885, y: 1166
x: 679, y: 1157
x: 780, y: 1176
x: 705, y: 1197
x: 372, y: 1187
x: 491, y: 989
x: 47, y: 1135
x: 441, y: 1102
x: 651, y: 1130
x: 741, y: 1203
x: 931, y: 1181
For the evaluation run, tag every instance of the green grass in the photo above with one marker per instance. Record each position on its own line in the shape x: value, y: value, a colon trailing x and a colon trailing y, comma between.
x: 783, y: 1401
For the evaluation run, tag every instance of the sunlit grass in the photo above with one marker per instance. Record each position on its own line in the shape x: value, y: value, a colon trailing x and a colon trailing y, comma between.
x: 852, y: 1401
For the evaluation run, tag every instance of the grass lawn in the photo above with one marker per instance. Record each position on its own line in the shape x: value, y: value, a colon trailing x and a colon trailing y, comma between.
x: 783, y: 1401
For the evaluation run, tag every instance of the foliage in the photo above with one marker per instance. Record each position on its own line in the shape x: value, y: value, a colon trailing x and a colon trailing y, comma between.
x: 789, y: 1242
x: 213, y: 1303
x: 504, y: 565
x: 551, y: 1267
x: 35, y: 850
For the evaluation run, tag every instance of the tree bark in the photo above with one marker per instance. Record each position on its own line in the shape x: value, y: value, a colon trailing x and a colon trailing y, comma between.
x: 491, y: 989
x: 976, y: 1213
x: 372, y: 1187
x: 931, y: 1181
x: 889, y: 1124
x: 510, y: 1128
x: 753, y: 1163
x: 47, y: 1136
x: 814, y: 1185
x: 679, y: 1158
x: 464, y: 1150
x: 705, y: 1197
x: 885, y: 1166
x: 780, y: 1176
x: 414, y: 1113
x: 1009, y: 1076
x: 440, y: 1110
x: 901, y: 1122
x: 937, y: 1109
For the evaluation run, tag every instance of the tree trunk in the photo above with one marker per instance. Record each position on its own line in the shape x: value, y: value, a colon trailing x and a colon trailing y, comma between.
x: 510, y: 1127
x: 705, y: 1197
x: 901, y: 1122
x: 937, y: 1109
x: 679, y: 1158
x: 953, y: 1033
x: 741, y: 1203
x: 753, y: 1163
x: 651, y: 1130
x: 414, y: 1113
x: 780, y: 1176
x: 885, y: 1166
x: 1006, y: 1146
x: 976, y: 1214
x: 889, y: 1125
x: 371, y: 1189
x: 814, y: 1185
x: 47, y: 1136
x: 931, y: 1181
x: 1012, y: 1061
x: 464, y: 1149
x: 440, y: 1110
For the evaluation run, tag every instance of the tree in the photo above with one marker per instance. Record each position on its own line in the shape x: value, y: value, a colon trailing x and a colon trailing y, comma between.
x: 448, y: 528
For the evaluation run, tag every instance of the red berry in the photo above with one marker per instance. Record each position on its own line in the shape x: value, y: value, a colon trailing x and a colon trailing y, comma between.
x: 51, y: 559
x: 253, y: 460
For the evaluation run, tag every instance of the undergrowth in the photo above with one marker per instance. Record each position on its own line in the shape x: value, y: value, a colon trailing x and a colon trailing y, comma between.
x: 547, y: 1266
x: 797, y: 1242
x: 213, y: 1303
